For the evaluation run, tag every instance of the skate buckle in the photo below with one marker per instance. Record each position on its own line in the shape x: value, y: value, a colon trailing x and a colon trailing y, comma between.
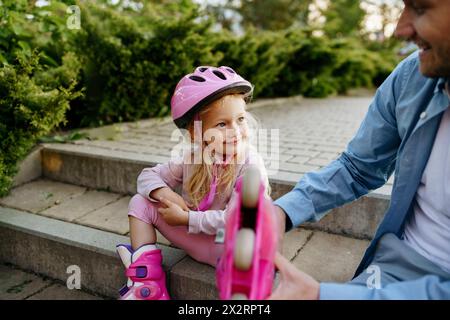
x: 220, y: 236
x: 149, y: 291
x: 139, y: 272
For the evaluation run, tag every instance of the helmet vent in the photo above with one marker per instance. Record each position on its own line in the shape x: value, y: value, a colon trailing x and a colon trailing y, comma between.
x: 230, y: 70
x: 202, y: 69
x: 197, y: 78
x: 220, y: 75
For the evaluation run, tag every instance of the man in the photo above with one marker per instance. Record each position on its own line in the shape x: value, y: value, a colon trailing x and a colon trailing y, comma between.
x: 407, y: 128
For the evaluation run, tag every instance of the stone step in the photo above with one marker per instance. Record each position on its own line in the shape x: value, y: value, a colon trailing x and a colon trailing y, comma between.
x: 17, y: 284
x: 49, y: 247
x: 116, y: 171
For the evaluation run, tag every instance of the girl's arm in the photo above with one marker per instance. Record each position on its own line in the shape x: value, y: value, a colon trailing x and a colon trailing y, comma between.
x: 210, y: 221
x: 162, y: 175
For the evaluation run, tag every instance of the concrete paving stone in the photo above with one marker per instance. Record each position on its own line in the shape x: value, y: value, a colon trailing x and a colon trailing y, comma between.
x: 112, y: 217
x: 17, y: 285
x: 328, y: 155
x: 40, y: 194
x: 302, y: 152
x: 78, y: 206
x: 116, y: 145
x: 285, y: 177
x: 108, y: 132
x: 318, y: 162
x: 301, y: 145
x: 298, y: 159
x: 60, y: 292
x: 147, y: 145
x: 192, y: 280
x: 298, y: 168
x: 337, y: 149
x: 103, y: 144
x: 330, y: 258
x: 285, y: 157
x: 294, y: 240
x: 159, y: 150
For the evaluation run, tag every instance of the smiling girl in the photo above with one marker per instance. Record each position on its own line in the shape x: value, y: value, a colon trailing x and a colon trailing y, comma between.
x: 211, y: 102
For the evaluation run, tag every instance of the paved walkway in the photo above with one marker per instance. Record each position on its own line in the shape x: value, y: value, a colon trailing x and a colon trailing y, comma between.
x: 16, y: 284
x: 312, y: 132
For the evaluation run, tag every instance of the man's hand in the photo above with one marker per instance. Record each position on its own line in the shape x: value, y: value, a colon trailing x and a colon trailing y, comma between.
x: 170, y: 195
x: 294, y: 284
x: 173, y: 214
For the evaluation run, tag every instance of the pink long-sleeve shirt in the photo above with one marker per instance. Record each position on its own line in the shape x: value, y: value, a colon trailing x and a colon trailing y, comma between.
x: 176, y: 173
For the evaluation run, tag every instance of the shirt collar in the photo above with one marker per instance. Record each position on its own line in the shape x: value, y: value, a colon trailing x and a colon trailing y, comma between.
x: 441, y: 84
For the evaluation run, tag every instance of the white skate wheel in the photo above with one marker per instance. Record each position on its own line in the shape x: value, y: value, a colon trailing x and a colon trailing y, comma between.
x: 243, y: 251
x: 239, y: 296
x: 250, y: 187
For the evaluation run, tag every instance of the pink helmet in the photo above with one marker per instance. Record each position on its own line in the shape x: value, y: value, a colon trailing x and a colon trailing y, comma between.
x: 205, y: 85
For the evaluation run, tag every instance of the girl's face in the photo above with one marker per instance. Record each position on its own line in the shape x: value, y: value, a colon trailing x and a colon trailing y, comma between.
x: 225, y: 126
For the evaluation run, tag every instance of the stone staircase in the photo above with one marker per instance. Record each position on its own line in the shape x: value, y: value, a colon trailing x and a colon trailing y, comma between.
x: 69, y: 204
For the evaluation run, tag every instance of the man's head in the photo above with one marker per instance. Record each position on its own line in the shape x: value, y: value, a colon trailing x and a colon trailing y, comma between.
x: 427, y: 23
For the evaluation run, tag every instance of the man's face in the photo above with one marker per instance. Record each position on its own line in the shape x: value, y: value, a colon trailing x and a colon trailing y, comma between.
x: 427, y: 23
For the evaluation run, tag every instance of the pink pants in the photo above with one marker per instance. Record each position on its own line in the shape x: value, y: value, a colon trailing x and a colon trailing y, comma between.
x: 199, y: 246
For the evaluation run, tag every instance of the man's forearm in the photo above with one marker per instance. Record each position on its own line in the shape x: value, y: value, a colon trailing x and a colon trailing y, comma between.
x: 428, y: 287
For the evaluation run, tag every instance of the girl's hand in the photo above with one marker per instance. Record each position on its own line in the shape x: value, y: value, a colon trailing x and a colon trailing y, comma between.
x: 170, y: 195
x: 173, y: 214
x: 294, y: 284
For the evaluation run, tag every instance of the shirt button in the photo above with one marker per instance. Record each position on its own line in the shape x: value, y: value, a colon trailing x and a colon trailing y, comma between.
x: 423, y: 115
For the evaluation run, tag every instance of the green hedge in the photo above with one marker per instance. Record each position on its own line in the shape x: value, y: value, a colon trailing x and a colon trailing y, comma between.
x: 307, y: 67
x: 130, y: 69
x: 34, y: 96
x: 132, y: 62
x: 259, y: 56
x: 295, y: 62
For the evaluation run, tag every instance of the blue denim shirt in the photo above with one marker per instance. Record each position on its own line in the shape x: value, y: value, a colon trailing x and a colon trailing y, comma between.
x: 397, y: 133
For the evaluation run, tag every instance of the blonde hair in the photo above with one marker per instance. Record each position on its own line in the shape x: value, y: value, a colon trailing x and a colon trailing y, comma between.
x: 200, y: 181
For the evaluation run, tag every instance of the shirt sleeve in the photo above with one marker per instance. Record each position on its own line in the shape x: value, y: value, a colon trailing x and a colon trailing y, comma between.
x: 209, y: 221
x: 365, y: 165
x: 162, y: 175
x: 425, y: 288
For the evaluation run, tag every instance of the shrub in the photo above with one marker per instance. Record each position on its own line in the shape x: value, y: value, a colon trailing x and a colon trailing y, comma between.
x: 35, y: 89
x: 29, y: 109
x: 307, y: 68
x: 258, y: 56
x: 130, y: 70
x: 358, y: 66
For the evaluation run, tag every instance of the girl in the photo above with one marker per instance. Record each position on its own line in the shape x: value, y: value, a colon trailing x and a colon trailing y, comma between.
x: 210, y: 105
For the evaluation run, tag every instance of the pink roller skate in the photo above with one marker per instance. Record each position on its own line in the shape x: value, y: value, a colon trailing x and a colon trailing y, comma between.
x: 246, y: 269
x: 146, y: 277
